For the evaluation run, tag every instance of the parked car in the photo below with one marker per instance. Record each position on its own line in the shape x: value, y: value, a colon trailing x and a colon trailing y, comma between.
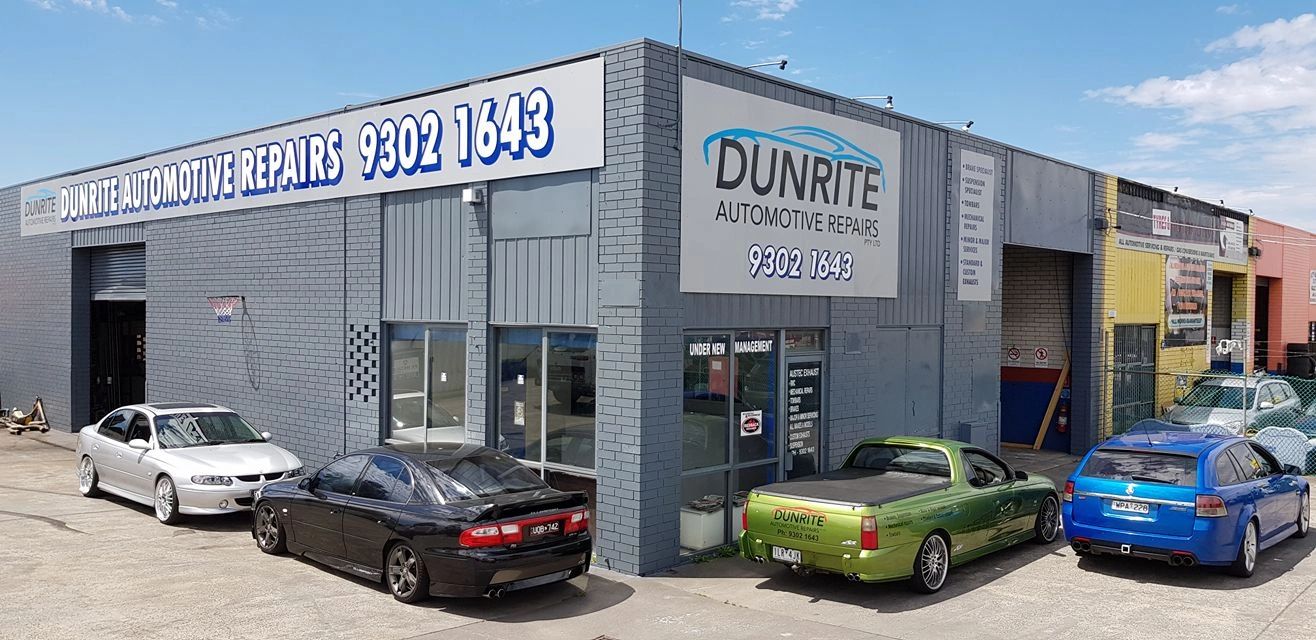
x: 1184, y: 498
x: 180, y: 458
x: 899, y: 507
x: 1221, y: 400
x: 448, y: 519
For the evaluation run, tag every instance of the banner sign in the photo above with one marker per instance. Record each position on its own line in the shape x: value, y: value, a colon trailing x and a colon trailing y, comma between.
x: 1311, y: 288
x: 1185, y: 301
x: 1188, y: 237
x: 779, y: 199
x: 540, y: 122
x: 977, y: 216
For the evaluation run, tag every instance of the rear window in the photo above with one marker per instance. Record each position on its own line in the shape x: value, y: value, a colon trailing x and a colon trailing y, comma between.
x: 885, y: 457
x: 482, y: 475
x: 1142, y: 466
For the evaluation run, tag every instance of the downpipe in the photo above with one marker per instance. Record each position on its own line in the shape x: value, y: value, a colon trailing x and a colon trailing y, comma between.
x: 803, y: 572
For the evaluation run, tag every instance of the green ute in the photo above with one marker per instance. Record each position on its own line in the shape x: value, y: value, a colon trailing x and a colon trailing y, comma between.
x: 899, y: 507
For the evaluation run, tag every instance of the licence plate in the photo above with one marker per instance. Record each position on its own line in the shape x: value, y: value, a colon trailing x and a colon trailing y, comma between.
x: 544, y: 529
x: 782, y: 554
x: 1131, y: 507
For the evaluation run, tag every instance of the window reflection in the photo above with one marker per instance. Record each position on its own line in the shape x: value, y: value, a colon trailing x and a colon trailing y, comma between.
x: 427, y: 384
x: 705, y: 421
x: 571, y: 398
x: 520, y: 396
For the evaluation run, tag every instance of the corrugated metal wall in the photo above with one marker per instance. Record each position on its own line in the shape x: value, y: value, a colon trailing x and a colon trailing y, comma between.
x: 544, y: 280
x: 543, y: 260
x: 100, y: 236
x: 424, y: 251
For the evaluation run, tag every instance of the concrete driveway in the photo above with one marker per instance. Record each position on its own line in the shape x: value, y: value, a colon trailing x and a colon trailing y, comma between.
x: 83, y: 568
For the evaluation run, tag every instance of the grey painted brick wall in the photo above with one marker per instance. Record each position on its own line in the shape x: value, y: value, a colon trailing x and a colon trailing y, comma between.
x: 36, y: 290
x: 283, y: 361
x: 639, y: 367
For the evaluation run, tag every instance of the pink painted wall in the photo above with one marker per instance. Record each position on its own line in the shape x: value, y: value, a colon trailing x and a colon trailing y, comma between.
x: 1288, y: 256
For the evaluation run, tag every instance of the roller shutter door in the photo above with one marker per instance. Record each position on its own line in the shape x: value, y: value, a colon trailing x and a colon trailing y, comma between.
x: 118, y: 273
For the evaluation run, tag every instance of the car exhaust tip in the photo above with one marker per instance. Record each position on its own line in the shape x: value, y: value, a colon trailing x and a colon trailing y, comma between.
x: 494, y: 593
x: 852, y: 577
x: 1175, y: 561
x: 760, y: 559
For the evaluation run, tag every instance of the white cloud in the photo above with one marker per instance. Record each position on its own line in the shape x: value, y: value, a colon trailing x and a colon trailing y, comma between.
x: 168, y: 4
x: 105, y: 8
x: 214, y: 19
x: 1229, y: 9
x: 46, y: 5
x: 754, y: 44
x: 1243, y: 129
x: 768, y: 9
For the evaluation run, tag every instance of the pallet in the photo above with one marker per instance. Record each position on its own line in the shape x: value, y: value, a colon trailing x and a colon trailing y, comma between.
x: 18, y: 429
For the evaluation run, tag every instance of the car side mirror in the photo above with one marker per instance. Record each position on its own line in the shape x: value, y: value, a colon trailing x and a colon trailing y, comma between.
x: 1292, y: 469
x: 266, y: 436
x: 1021, y: 475
x: 139, y: 444
x: 305, y: 483
x: 976, y: 482
x: 1267, y: 405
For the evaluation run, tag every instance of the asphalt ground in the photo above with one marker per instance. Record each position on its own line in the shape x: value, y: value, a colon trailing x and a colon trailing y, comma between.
x: 75, y: 567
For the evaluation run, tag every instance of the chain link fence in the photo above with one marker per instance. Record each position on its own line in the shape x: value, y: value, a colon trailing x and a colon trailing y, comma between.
x: 1278, y: 411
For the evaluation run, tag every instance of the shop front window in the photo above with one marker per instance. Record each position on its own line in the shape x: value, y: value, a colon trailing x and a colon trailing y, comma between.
x: 755, y: 406
x: 546, y: 397
x: 707, y: 393
x: 427, y: 384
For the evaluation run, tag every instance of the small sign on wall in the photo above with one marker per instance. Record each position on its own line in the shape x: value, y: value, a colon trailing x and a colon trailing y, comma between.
x: 1012, y: 356
x: 1041, y: 357
x: 1311, y: 289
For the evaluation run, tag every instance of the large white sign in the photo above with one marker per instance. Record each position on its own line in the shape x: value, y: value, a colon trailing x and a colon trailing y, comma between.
x: 977, y: 215
x: 779, y: 199
x: 541, y: 122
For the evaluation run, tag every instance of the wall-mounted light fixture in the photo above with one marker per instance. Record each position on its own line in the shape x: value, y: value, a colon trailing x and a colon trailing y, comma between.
x: 780, y: 64
x: 890, y: 100
x: 964, y: 124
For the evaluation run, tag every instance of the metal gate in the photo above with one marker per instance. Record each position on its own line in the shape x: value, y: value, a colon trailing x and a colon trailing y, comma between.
x: 1134, y: 393
x: 118, y: 273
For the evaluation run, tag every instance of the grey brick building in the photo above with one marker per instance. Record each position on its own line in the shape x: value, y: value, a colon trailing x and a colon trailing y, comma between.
x: 542, y: 308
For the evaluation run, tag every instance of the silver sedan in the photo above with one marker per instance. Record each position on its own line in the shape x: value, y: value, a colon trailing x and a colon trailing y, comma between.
x: 180, y: 458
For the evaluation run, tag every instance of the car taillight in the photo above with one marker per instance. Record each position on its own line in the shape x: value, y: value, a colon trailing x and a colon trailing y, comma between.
x: 1069, y: 491
x: 868, y: 533
x: 744, y: 518
x: 1211, y: 507
x: 579, y: 521
x: 491, y: 536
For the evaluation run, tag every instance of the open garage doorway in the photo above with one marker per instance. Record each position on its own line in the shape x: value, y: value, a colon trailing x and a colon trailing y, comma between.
x: 1037, y: 329
x: 114, y: 351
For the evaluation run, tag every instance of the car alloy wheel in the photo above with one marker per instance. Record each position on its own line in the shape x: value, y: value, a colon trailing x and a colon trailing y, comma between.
x: 269, y: 533
x: 1048, y: 521
x: 406, y: 574
x: 1304, y: 515
x: 87, y: 478
x: 931, y: 565
x: 1246, y: 561
x: 166, y: 501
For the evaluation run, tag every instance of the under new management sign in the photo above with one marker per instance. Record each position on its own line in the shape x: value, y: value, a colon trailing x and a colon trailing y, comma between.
x: 779, y: 199
x: 541, y: 122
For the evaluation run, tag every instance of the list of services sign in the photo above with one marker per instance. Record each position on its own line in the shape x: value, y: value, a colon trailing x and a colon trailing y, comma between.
x: 779, y: 199
x: 541, y: 122
x: 977, y: 215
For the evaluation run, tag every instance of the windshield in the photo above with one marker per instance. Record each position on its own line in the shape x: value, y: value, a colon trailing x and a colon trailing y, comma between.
x: 409, y: 411
x: 884, y: 458
x: 484, y: 474
x: 1218, y: 396
x: 1142, y: 466
x: 193, y: 430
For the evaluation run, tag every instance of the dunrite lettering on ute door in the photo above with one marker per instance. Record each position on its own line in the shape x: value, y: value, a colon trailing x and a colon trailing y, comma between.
x: 900, y: 507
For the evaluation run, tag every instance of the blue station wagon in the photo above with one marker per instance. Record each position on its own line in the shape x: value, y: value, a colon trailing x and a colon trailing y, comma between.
x: 1184, y: 498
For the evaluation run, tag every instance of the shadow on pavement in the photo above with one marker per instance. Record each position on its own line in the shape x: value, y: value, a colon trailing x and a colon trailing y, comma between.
x: 223, y: 523
x: 577, y: 597
x: 885, y: 596
x: 1271, y: 563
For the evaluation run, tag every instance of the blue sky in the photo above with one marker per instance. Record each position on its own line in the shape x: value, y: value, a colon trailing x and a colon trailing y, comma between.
x: 1218, y: 99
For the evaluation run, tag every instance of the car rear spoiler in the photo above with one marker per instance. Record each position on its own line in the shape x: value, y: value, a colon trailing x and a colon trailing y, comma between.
x: 509, y: 506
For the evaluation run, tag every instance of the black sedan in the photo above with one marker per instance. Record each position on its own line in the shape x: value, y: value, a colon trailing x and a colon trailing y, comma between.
x: 453, y: 520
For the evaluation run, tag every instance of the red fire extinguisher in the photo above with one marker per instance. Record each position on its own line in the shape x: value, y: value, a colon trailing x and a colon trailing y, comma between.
x: 1062, y: 421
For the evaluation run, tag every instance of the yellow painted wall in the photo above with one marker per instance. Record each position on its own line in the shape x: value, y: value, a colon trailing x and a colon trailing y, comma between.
x: 1107, y: 188
x: 1135, y: 291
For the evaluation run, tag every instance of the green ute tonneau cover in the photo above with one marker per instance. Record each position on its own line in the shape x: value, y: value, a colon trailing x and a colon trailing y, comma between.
x: 857, y: 487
